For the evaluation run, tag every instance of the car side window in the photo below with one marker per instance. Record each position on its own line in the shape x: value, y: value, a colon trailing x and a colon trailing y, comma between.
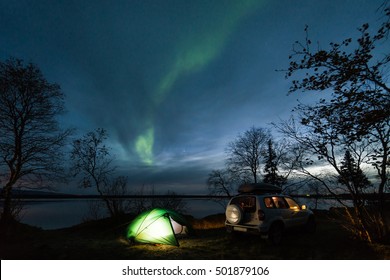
x: 280, y: 203
x: 269, y: 203
x: 292, y: 203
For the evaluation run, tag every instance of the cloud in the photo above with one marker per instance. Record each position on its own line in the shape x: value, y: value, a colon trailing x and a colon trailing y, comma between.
x: 197, y: 51
x: 172, y: 81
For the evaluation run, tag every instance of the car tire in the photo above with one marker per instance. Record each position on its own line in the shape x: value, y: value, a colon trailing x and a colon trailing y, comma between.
x: 233, y: 214
x: 275, y: 234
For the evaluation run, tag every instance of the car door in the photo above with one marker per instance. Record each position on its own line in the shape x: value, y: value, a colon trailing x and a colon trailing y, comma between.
x: 298, y: 217
x: 284, y: 211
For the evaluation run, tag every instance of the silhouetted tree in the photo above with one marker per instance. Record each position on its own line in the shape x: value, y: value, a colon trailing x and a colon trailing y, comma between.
x: 356, y: 117
x: 356, y: 75
x: 245, y: 153
x: 91, y: 159
x: 172, y: 202
x: 352, y: 176
x: 318, y: 152
x: 146, y: 201
x: 220, y: 183
x: 31, y: 140
x: 117, y: 187
x: 271, y: 175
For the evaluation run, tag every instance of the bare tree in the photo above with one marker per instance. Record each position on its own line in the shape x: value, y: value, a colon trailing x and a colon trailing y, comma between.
x: 172, y: 202
x: 113, y: 192
x: 116, y: 188
x: 31, y: 140
x: 147, y: 199
x: 220, y: 183
x: 91, y: 158
x: 288, y: 158
x: 322, y: 161
x: 245, y: 153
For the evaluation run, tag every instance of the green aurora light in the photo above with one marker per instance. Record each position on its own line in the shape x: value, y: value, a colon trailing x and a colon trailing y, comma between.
x: 193, y: 54
x: 144, y: 146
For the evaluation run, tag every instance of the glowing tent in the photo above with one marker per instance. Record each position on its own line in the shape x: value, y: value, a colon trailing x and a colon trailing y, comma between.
x: 157, y: 226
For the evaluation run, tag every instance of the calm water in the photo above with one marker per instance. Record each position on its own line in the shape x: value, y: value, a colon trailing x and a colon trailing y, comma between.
x: 56, y: 214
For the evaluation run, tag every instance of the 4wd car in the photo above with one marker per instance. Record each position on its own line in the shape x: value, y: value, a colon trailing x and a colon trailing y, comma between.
x: 262, y: 209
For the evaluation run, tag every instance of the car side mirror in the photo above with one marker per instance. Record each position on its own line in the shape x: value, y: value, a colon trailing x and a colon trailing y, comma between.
x: 303, y: 207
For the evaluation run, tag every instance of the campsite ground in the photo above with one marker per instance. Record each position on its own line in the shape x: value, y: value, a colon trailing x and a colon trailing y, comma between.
x: 105, y: 239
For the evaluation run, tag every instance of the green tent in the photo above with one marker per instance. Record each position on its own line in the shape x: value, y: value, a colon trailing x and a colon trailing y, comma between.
x: 157, y: 226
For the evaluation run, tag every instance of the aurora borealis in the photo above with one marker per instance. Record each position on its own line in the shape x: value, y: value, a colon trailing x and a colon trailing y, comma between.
x: 192, y: 55
x: 172, y: 81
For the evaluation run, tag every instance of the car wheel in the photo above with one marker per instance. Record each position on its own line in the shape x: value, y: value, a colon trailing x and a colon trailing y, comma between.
x: 311, y: 225
x: 275, y: 234
x: 233, y: 214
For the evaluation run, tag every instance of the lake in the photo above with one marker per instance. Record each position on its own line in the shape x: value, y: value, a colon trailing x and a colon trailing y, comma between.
x: 54, y: 214
x: 61, y: 213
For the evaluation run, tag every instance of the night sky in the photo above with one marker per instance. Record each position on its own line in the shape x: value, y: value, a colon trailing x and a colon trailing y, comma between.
x: 172, y: 81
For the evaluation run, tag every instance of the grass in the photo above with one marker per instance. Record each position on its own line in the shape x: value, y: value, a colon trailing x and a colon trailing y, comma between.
x: 105, y: 239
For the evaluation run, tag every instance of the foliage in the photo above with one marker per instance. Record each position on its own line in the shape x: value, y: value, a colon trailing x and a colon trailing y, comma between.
x: 352, y: 176
x: 271, y: 175
x: 360, y: 94
x: 31, y: 140
x: 355, y: 118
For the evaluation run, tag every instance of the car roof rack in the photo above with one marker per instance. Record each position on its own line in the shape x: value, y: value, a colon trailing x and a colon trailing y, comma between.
x: 259, y: 188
